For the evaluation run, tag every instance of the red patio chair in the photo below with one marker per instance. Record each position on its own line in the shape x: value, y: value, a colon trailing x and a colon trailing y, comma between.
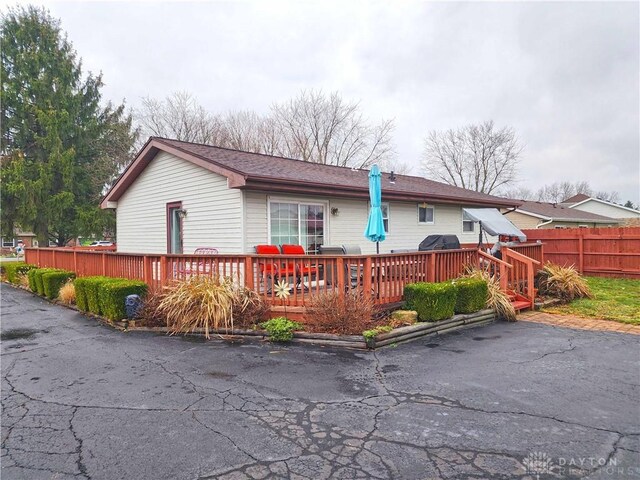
x: 304, y: 270
x: 273, y: 270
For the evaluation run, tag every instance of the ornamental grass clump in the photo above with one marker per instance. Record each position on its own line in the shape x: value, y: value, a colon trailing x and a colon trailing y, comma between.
x: 198, y: 303
x: 67, y: 293
x: 497, y: 300
x: 248, y: 307
x: 564, y: 283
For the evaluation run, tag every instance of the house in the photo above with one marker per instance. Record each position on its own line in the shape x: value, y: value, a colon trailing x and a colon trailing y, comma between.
x: 176, y: 196
x: 10, y: 242
x: 531, y: 214
x: 586, y: 203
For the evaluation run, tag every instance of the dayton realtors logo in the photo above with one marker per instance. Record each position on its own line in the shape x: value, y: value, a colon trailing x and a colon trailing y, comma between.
x: 538, y: 463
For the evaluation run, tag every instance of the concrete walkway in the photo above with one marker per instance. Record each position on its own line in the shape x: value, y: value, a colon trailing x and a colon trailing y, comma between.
x: 580, y: 323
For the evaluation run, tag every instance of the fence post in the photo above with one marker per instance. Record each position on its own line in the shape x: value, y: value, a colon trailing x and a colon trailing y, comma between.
x: 53, y: 259
x: 75, y: 261
x: 38, y: 256
x: 580, y: 252
x: 104, y: 264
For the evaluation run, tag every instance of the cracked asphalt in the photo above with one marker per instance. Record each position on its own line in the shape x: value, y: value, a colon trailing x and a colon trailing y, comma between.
x: 80, y: 400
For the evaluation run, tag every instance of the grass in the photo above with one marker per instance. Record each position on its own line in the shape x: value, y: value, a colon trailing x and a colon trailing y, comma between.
x: 613, y: 299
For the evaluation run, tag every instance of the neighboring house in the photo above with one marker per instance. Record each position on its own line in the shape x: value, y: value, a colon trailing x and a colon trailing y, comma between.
x: 9, y: 242
x: 176, y: 196
x: 600, y: 207
x: 550, y: 215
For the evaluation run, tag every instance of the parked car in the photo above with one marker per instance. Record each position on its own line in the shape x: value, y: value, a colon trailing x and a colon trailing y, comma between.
x: 101, y: 243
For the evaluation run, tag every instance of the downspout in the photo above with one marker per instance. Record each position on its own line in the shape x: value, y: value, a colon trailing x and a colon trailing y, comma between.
x: 544, y: 223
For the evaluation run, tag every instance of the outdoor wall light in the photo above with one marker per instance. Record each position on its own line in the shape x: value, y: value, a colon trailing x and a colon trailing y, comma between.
x: 335, y: 211
x: 182, y: 213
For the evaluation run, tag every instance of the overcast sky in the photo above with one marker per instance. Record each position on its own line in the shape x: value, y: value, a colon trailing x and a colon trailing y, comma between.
x: 565, y: 76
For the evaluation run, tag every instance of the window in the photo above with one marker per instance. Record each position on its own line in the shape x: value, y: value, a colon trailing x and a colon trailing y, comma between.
x: 385, y: 216
x: 174, y: 227
x: 8, y: 243
x: 468, y: 224
x: 426, y: 214
x: 297, y: 224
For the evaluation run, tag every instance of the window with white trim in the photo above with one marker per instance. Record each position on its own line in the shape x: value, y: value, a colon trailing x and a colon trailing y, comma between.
x: 468, y: 224
x: 297, y: 224
x: 8, y: 243
x: 385, y: 216
x: 426, y: 214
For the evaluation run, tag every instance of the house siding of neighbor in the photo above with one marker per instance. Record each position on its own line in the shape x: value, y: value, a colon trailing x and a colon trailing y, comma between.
x: 227, y: 203
x: 600, y: 207
x: 531, y: 215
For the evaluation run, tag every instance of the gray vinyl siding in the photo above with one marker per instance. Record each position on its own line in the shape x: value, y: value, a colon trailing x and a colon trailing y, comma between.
x: 348, y: 225
x: 214, y: 211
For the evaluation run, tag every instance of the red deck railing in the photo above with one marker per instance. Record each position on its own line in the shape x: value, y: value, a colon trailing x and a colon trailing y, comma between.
x: 382, y: 276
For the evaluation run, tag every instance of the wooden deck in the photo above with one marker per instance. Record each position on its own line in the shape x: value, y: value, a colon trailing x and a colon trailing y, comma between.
x: 383, y: 277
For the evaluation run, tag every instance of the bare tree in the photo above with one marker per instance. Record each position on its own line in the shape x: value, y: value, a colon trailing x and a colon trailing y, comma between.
x: 179, y: 116
x: 476, y: 157
x: 326, y: 129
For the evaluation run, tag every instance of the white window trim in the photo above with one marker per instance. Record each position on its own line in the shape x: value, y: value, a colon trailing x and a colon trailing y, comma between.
x: 473, y: 225
x: 388, y: 205
x: 13, y: 243
x: 299, y: 202
x: 426, y: 205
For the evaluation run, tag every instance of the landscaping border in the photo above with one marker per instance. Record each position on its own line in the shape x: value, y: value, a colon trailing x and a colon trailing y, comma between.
x: 394, y: 337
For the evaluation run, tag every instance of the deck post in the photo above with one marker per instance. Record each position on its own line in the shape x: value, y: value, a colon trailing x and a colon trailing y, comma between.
x: 340, y: 273
x: 366, y: 281
x: 163, y: 270
x: 504, y: 281
x: 431, y: 274
x: 145, y: 270
x: 248, y: 273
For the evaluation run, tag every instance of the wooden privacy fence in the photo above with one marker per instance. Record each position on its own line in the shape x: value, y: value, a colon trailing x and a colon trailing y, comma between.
x: 305, y: 276
x: 604, y: 252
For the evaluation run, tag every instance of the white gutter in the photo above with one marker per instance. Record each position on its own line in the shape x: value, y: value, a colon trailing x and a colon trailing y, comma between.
x: 544, y: 223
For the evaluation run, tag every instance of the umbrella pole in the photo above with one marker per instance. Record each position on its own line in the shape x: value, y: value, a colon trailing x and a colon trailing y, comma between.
x: 377, y: 248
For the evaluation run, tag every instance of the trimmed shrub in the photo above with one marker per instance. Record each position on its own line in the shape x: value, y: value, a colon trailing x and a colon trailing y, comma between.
x: 432, y: 301
x: 52, y: 281
x: 31, y: 277
x: 112, y: 296
x: 14, y: 270
x: 471, y: 295
x: 87, y: 289
x: 38, y: 284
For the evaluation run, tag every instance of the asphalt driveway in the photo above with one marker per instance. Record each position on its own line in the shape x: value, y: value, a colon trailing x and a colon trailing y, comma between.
x: 83, y: 401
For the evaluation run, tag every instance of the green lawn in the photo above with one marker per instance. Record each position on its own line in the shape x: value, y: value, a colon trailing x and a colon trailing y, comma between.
x: 613, y: 299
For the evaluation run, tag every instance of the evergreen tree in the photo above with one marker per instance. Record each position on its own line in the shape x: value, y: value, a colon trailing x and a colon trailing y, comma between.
x: 60, y: 145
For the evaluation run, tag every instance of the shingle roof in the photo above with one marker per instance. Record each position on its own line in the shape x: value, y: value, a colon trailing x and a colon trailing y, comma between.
x: 553, y: 211
x: 576, y: 198
x: 257, y: 168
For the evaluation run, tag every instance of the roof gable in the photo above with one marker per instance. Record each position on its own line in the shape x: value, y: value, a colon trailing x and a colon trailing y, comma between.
x: 264, y: 172
x: 557, y: 212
